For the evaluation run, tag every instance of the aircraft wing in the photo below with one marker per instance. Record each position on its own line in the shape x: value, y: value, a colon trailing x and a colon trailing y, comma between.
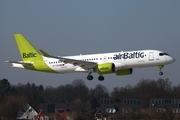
x: 84, y: 64
x: 20, y: 62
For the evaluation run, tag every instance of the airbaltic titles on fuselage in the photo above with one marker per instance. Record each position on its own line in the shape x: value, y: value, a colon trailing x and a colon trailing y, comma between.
x: 129, y: 55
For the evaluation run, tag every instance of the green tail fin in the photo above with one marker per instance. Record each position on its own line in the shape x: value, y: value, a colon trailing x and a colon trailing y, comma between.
x: 27, y: 51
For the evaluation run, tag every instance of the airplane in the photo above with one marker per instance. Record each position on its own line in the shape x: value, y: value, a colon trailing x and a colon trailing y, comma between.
x: 120, y: 63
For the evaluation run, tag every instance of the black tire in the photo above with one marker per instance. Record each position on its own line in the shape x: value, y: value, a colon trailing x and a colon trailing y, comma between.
x: 160, y: 73
x: 101, y: 78
x: 89, y: 77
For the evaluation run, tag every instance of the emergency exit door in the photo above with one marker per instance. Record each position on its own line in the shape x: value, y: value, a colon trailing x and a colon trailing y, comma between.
x: 151, y: 56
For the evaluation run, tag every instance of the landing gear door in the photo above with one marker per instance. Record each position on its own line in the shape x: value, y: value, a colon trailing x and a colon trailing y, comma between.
x: 151, y: 56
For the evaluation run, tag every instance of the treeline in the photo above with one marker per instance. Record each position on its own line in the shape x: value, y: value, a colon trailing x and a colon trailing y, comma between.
x: 147, y: 89
x: 13, y: 97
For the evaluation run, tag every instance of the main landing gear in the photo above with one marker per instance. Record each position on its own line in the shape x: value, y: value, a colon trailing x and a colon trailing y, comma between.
x: 160, y: 68
x: 100, y: 78
x: 90, y: 77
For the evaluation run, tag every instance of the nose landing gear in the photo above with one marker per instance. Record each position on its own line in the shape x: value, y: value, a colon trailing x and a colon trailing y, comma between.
x: 160, y: 73
x: 160, y: 68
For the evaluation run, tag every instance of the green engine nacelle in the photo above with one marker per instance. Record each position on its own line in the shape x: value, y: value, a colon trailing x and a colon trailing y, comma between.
x: 106, y: 68
x: 124, y: 72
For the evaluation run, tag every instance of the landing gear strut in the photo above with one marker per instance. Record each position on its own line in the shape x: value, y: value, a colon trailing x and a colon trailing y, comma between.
x: 90, y: 77
x: 160, y: 68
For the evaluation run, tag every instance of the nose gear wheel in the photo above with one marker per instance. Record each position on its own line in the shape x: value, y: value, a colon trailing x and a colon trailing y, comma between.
x: 160, y: 68
x: 160, y: 73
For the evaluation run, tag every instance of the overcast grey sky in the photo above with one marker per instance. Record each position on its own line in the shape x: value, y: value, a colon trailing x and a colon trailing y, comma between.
x: 73, y: 27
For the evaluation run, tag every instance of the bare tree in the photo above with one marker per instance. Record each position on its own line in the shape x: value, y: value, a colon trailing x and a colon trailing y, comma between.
x: 5, y: 88
x: 100, y: 91
x: 11, y: 105
x: 81, y: 90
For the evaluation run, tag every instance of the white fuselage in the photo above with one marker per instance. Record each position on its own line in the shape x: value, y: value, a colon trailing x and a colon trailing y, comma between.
x: 122, y: 60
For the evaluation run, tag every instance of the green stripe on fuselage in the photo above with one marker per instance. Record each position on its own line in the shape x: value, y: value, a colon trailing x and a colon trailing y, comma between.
x: 40, y: 65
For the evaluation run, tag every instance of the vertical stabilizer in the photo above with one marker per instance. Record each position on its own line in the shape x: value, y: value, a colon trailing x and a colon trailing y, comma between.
x: 27, y: 51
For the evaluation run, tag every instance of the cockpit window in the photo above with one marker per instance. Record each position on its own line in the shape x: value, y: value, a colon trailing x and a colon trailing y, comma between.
x: 166, y: 54
x: 161, y: 54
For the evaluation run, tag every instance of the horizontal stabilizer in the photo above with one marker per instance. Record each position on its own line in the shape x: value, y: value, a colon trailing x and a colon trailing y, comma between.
x: 20, y: 62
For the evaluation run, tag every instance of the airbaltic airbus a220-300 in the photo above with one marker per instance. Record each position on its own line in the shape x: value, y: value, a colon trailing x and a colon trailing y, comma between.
x: 120, y: 63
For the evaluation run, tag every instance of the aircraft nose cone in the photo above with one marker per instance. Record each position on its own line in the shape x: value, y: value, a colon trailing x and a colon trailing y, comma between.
x: 172, y: 60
